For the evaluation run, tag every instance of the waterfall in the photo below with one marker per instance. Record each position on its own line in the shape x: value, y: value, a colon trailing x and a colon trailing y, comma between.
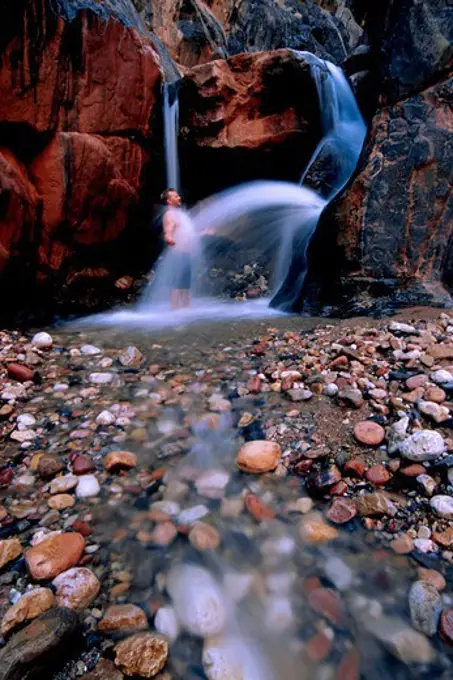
x: 171, y: 131
x: 278, y: 219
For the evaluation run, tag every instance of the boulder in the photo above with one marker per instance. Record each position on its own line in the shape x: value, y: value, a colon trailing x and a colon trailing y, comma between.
x: 35, y: 650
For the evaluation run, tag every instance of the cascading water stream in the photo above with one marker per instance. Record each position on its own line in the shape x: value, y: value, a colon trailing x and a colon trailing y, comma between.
x: 171, y: 129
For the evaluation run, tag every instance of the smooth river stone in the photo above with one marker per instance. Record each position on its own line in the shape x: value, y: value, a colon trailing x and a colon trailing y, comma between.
x: 259, y: 456
x: 442, y: 506
x: 76, y: 588
x: 54, y: 555
x: 425, y: 605
x: 198, y: 600
x: 369, y: 433
x: 31, y: 605
x: 422, y: 445
x: 10, y: 549
x: 123, y: 617
x: 231, y: 658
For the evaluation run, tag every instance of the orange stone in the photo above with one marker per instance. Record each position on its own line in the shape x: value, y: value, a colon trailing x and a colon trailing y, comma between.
x: 32, y: 604
x: 258, y: 509
x: 123, y: 617
x: 54, y: 555
x: 369, y: 433
x: 259, y: 456
x: 120, y: 460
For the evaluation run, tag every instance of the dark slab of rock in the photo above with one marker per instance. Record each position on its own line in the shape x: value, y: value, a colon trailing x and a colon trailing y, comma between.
x: 31, y: 653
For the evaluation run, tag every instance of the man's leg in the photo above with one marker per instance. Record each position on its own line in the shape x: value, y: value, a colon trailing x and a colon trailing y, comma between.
x: 174, y: 298
x: 185, y: 298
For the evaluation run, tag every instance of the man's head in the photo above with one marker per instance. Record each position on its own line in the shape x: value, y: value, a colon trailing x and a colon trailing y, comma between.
x: 171, y: 197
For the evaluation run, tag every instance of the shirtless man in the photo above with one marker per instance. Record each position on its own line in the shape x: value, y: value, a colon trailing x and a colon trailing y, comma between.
x: 176, y: 237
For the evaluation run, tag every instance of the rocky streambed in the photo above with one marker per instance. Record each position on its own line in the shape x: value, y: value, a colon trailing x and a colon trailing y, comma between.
x: 264, y: 500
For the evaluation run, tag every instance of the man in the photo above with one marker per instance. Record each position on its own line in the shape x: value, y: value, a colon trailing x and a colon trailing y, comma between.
x: 178, y: 235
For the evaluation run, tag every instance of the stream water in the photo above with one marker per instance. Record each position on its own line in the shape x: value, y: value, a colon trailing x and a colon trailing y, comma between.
x: 265, y: 602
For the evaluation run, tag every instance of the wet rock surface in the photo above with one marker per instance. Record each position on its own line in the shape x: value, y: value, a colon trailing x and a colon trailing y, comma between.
x: 327, y: 543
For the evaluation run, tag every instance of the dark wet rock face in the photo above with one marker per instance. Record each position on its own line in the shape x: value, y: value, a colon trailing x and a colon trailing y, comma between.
x: 35, y: 650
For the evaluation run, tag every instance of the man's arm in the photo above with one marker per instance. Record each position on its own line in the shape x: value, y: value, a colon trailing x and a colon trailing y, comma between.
x: 169, y: 229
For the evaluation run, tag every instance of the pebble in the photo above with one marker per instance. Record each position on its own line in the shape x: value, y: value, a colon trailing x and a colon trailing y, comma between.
x: 278, y: 616
x: 61, y: 501
x: 338, y: 572
x: 405, y: 328
x: 120, y: 460
x: 63, y: 484
x: 369, y: 433
x: 427, y: 484
x: 25, y: 421
x: 87, y: 486
x: 204, y: 537
x: 228, y: 658
x: 42, y: 340
x: 198, y: 600
x: 90, y: 350
x: 191, y: 515
x: 425, y: 607
x: 123, y: 617
x: 435, y: 578
x: 105, y: 418
x: 20, y: 373
x: 423, y: 445
x: 10, y: 549
x: 166, y: 623
x: 327, y: 602
x: 378, y: 475
x: 76, y: 588
x: 341, y: 511
x: 212, y: 483
x: 446, y: 626
x: 258, y: 509
x: 315, y: 530
x: 403, y: 545
x: 29, y: 606
x: 441, y: 377
x: 83, y: 464
x: 163, y: 534
x: 442, y: 506
x: 131, y: 356
x: 435, y: 411
x: 101, y: 378
x: 405, y: 643
x: 54, y: 555
x: 259, y: 456
x: 49, y: 465
x: 351, y: 396
x: 374, y: 505
x: 143, y: 655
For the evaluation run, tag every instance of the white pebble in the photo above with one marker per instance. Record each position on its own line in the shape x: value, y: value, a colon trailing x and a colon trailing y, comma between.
x: 191, y: 515
x: 166, y: 622
x: 105, y: 418
x: 25, y: 421
x: 42, y: 340
x: 101, y: 378
x: 90, y: 350
x: 88, y: 486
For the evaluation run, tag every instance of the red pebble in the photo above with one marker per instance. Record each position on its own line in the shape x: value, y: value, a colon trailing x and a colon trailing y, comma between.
x: 258, y: 509
x: 6, y: 476
x: 326, y: 602
x: 254, y: 384
x: 354, y: 468
x: 341, y: 511
x: 20, y: 372
x: 82, y: 465
x: 82, y: 528
x: 413, y: 470
x: 339, y: 488
x: 378, y: 475
x: 303, y: 466
x: 349, y: 668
